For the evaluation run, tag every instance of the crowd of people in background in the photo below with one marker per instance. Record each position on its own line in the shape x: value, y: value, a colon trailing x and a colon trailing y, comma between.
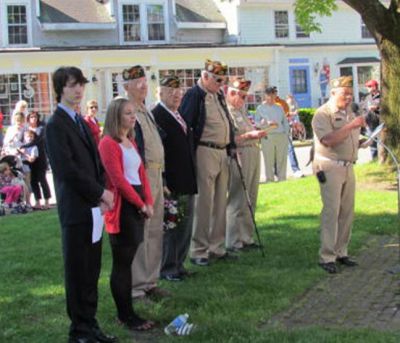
x: 172, y: 182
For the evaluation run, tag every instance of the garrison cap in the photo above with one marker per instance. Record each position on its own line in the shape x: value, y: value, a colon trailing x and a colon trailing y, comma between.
x: 240, y: 84
x: 171, y: 81
x: 135, y: 72
x: 216, y: 67
x: 343, y: 81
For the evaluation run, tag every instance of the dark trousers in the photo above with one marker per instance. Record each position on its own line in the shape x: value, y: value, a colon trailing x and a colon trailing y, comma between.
x: 39, y: 183
x: 292, y: 156
x: 82, y: 262
x: 124, y: 246
x: 176, y: 241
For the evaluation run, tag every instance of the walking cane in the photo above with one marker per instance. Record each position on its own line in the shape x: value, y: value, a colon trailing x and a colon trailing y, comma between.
x: 239, y: 165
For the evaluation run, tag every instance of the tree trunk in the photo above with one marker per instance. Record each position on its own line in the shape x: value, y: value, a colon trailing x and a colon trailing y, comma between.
x: 390, y: 85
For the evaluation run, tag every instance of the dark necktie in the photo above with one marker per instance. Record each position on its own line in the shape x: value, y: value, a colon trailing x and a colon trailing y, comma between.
x: 79, y: 124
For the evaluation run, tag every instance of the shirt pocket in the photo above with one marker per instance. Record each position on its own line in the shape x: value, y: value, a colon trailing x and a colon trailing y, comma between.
x: 338, y: 122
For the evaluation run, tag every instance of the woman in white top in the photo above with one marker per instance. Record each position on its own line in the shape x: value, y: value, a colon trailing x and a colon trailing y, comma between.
x: 126, y: 178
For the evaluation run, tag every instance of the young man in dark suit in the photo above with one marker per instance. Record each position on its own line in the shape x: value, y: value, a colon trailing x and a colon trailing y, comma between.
x: 79, y: 187
x: 180, y: 176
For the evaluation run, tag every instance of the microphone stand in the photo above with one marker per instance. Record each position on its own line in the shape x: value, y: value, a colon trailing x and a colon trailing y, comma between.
x: 395, y: 269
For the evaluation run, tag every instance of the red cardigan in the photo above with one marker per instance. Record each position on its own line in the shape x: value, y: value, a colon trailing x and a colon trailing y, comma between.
x: 112, y: 158
x: 94, y: 128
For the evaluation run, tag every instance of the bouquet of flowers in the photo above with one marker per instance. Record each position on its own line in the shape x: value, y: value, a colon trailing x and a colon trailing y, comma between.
x: 172, y: 214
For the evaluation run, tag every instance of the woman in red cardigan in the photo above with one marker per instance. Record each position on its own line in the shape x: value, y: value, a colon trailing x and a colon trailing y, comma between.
x: 90, y: 118
x: 126, y: 178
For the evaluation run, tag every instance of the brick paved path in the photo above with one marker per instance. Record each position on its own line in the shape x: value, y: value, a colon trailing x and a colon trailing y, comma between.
x: 367, y: 296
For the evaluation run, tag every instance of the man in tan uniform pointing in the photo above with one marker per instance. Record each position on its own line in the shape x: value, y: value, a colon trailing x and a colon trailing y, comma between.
x: 336, y: 139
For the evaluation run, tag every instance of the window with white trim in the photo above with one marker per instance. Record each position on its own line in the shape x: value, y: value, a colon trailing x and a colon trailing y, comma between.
x: 17, y: 24
x: 300, y: 33
x: 365, y: 33
x: 281, y: 24
x: 143, y: 21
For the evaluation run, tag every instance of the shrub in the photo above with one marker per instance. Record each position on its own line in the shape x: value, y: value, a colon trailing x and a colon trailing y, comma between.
x: 306, y: 115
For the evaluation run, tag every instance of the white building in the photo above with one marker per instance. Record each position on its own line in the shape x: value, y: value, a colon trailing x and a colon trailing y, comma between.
x: 257, y: 39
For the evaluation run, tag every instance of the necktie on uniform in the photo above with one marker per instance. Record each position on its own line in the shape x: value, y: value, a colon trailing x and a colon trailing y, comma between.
x: 181, y: 121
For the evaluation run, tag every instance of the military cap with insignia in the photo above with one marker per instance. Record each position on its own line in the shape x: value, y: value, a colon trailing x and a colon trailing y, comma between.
x: 216, y: 67
x: 135, y: 72
x: 171, y: 81
x: 240, y: 84
x: 343, y: 81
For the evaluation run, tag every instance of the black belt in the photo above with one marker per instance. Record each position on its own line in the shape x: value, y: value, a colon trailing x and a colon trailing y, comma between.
x: 213, y: 145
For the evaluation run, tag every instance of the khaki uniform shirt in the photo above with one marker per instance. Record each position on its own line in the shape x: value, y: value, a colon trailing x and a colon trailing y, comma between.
x: 242, y: 123
x: 153, y: 147
x: 216, y: 127
x: 328, y: 119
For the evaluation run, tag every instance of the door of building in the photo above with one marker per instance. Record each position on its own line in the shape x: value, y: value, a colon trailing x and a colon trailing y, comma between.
x: 300, y: 85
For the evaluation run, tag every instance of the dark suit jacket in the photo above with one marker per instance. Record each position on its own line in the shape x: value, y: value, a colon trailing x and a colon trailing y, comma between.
x: 179, y: 153
x: 77, y: 170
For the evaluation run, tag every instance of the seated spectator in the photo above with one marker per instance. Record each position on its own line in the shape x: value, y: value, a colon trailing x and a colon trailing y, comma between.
x: 11, y: 188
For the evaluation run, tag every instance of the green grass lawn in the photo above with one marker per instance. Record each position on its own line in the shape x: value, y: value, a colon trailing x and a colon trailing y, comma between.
x: 228, y: 301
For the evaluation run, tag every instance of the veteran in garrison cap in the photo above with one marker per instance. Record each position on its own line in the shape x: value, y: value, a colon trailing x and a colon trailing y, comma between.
x: 336, y: 139
x: 239, y: 234
x: 147, y: 262
x: 180, y: 176
x: 205, y: 111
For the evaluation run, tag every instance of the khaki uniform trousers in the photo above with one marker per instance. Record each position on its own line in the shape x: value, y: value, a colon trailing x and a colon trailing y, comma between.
x: 337, y: 213
x: 275, y: 148
x: 240, y: 225
x: 147, y: 261
x: 210, y: 203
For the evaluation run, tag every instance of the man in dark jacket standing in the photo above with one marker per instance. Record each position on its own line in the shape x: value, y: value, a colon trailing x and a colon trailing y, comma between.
x: 205, y: 111
x: 180, y: 176
x: 79, y: 187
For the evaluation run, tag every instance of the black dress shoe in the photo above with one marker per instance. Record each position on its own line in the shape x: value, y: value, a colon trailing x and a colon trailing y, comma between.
x: 224, y: 257
x: 252, y: 246
x: 234, y: 249
x: 82, y: 340
x: 101, y: 337
x: 330, y: 267
x: 347, y: 261
x: 200, y: 261
x: 172, y: 277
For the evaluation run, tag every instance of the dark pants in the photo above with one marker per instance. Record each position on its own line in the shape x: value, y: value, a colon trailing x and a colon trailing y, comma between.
x: 39, y: 183
x: 82, y: 262
x: 292, y: 157
x: 124, y: 246
x: 176, y: 241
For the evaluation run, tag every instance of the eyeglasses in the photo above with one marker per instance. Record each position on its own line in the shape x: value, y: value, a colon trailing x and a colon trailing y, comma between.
x: 217, y: 79
x: 92, y: 107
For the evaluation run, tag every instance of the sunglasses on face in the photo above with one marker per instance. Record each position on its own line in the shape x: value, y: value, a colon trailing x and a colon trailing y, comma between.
x: 217, y: 78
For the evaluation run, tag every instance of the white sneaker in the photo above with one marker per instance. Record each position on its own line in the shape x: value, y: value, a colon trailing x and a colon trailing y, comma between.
x: 298, y: 174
